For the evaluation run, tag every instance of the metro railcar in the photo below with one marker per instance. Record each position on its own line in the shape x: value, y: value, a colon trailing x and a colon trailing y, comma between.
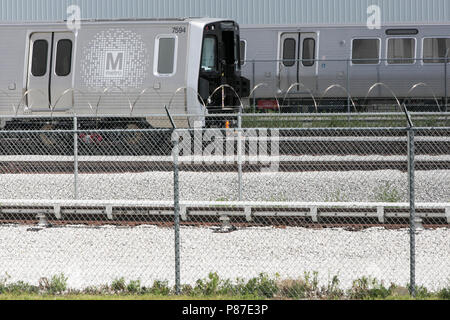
x: 331, y: 63
x: 121, y: 67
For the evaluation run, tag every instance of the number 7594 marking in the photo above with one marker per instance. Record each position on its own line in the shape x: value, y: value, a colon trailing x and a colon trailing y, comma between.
x: 178, y: 29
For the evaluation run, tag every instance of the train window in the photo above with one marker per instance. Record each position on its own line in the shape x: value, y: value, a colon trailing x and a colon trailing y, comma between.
x: 209, y: 54
x: 435, y: 50
x: 289, y: 52
x: 166, y: 47
x: 401, y: 32
x: 309, y: 50
x: 366, y: 51
x: 243, y: 51
x: 39, y: 59
x: 237, y: 52
x: 401, y: 50
x: 229, y: 47
x: 63, y: 57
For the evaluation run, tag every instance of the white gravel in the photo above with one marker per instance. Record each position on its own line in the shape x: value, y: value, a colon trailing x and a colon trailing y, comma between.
x: 94, y: 256
x: 431, y: 186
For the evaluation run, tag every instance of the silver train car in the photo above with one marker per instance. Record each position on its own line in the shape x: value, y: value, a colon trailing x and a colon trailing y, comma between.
x: 331, y: 63
x: 121, y: 67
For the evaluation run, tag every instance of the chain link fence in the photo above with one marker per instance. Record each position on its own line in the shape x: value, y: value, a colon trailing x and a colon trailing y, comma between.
x: 348, y: 85
x: 275, y: 210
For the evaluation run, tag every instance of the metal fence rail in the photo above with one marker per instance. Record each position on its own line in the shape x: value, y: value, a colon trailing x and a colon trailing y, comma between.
x: 285, y: 202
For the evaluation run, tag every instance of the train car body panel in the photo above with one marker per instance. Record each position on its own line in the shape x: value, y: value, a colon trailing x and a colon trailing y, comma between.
x: 269, y: 48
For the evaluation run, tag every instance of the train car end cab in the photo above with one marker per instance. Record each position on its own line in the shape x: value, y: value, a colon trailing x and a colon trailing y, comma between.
x: 221, y: 65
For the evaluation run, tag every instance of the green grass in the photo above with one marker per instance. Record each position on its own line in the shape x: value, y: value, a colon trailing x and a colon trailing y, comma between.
x: 119, y: 297
x: 407, y: 298
x: 387, y: 193
x: 214, y: 288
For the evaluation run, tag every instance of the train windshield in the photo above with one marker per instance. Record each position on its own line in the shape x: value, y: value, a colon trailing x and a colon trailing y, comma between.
x: 209, y: 54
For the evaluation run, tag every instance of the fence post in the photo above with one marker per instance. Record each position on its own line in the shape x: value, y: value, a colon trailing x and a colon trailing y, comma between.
x: 412, y: 211
x: 348, y: 86
x: 253, y: 85
x: 75, y: 156
x: 176, y: 190
x: 445, y: 78
x: 239, y: 146
x: 176, y: 202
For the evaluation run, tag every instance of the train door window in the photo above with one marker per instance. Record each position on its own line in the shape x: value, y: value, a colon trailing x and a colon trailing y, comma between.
x: 435, y: 50
x: 243, y: 51
x: 237, y: 52
x: 308, y: 54
x: 401, y: 50
x: 63, y: 57
x: 229, y: 47
x: 366, y: 51
x: 209, y: 54
x: 165, y: 49
x: 39, y: 59
x: 289, y: 52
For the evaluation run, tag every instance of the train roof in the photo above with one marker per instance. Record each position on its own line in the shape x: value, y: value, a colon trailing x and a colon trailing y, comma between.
x: 118, y: 20
x: 305, y: 25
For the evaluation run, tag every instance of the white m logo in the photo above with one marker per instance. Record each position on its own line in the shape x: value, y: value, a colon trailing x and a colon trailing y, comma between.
x: 114, y: 64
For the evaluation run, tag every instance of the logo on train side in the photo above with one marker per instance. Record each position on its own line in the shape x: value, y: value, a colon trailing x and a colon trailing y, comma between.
x: 114, y: 64
x: 115, y: 57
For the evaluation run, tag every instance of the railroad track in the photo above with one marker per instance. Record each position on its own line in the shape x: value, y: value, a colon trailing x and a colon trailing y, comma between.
x: 225, y: 216
x: 217, y: 226
x: 147, y: 143
x: 104, y: 167
x: 296, y: 154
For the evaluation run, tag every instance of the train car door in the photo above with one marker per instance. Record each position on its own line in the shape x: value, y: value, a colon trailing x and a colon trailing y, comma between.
x: 297, y: 61
x: 39, y: 71
x: 287, y: 70
x: 307, y: 65
x: 50, y: 71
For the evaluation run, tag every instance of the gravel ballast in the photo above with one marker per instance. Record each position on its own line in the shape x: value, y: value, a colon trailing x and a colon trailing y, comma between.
x: 431, y: 186
x: 95, y: 256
